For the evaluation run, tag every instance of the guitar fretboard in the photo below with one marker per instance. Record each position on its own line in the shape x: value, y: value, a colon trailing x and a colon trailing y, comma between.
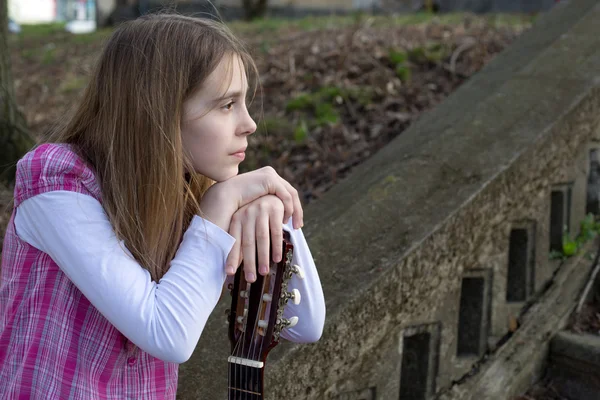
x: 245, y: 382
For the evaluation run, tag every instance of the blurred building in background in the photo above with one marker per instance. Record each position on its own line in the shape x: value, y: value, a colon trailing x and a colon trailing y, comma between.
x: 44, y: 11
x: 110, y: 11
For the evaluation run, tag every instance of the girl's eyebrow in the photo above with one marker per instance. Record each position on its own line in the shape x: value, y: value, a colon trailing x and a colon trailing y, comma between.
x: 235, y: 94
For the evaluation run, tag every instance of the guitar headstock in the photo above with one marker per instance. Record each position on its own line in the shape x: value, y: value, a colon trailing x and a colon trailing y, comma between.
x: 256, y: 314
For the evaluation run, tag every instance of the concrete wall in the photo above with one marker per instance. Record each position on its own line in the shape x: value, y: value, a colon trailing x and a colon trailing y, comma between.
x: 419, y: 247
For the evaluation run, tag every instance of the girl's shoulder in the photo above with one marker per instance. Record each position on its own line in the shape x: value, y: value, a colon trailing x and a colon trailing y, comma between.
x: 53, y: 166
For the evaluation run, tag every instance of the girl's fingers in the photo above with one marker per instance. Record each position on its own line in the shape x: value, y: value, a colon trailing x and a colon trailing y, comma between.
x: 276, y: 234
x: 234, y: 257
x: 284, y: 194
x: 262, y: 242
x: 298, y: 213
x: 249, y: 247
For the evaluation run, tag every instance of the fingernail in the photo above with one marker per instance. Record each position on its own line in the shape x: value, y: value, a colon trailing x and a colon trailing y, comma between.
x: 263, y: 270
x: 229, y: 269
x: 250, y: 277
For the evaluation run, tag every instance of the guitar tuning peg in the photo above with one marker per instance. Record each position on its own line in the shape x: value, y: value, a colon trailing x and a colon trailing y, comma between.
x: 267, y: 297
x: 294, y: 295
x: 263, y: 324
x: 289, y: 323
x: 297, y: 270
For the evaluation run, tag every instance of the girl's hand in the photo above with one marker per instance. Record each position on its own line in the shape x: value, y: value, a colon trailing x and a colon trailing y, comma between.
x: 252, y: 226
x: 223, y: 199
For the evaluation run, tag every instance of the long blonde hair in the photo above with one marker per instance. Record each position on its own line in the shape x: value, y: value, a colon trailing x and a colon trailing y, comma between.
x: 127, y: 126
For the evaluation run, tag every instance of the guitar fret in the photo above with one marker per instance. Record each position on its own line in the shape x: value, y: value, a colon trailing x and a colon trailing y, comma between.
x: 245, y: 391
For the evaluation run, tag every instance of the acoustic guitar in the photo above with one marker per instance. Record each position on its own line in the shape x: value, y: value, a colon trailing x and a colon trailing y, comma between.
x: 256, y: 321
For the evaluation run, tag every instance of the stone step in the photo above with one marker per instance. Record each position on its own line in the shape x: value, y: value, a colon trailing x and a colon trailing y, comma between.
x: 574, y: 365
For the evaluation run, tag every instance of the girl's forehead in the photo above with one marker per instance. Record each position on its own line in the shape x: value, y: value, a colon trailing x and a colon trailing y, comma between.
x: 228, y: 76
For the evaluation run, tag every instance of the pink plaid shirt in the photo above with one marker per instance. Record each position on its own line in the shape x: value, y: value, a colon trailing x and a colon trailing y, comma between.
x: 53, y: 343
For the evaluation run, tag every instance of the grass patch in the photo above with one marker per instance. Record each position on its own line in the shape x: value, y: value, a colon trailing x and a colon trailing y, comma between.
x: 41, y: 30
x: 309, y: 23
x: 73, y: 84
x: 312, y: 23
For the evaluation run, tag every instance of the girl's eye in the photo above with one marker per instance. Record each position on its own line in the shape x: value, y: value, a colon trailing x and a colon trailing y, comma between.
x: 229, y: 105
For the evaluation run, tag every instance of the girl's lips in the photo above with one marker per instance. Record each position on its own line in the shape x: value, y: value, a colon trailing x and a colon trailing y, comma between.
x: 240, y: 155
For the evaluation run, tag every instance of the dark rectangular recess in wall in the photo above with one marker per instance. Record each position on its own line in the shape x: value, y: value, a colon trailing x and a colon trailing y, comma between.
x: 415, y: 366
x: 568, y: 208
x: 592, y: 204
x: 557, y: 220
x: 470, y: 317
x: 520, y: 275
x: 518, y: 257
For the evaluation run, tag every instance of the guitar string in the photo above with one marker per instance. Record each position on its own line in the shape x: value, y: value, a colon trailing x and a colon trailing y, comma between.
x: 252, y: 344
x: 233, y: 353
x: 237, y: 352
x: 243, y: 337
x: 233, y: 370
x: 271, y: 285
x: 257, y: 355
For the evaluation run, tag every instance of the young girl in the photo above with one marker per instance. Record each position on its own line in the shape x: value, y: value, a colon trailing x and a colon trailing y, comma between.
x: 127, y: 220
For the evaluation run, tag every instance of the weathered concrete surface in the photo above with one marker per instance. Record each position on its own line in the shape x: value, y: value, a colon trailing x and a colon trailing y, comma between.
x: 394, y: 240
x: 574, y: 365
x: 509, y: 371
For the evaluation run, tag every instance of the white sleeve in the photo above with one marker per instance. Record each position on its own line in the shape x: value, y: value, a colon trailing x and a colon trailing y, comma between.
x: 311, y: 310
x: 165, y: 319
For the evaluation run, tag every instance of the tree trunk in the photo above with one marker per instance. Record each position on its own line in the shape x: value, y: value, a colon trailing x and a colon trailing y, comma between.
x: 15, y: 140
x: 253, y: 8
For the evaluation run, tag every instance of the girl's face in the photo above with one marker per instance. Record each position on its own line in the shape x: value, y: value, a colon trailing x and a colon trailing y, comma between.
x: 215, y: 124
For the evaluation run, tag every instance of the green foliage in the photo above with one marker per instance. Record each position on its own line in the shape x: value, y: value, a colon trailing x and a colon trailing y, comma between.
x: 431, y: 53
x: 272, y: 125
x: 49, y: 54
x: 42, y: 30
x: 398, y: 57
x: 326, y: 114
x: 73, y: 84
x: 403, y: 72
x: 301, y: 132
x: 322, y: 103
x: 400, y: 60
x: 589, y: 229
x: 301, y: 102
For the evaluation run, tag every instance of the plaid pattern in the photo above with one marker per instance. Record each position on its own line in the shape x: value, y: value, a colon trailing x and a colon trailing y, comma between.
x: 53, y: 343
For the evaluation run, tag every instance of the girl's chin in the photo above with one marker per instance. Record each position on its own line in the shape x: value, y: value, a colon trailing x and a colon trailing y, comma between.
x: 223, y: 176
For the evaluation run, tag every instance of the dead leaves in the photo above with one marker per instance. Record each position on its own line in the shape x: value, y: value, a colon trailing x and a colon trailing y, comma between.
x: 363, y: 84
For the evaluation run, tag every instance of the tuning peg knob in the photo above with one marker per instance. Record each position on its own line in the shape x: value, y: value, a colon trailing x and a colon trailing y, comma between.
x: 297, y: 270
x: 263, y: 324
x: 295, y: 296
x: 243, y: 294
x: 290, y: 322
x: 267, y: 297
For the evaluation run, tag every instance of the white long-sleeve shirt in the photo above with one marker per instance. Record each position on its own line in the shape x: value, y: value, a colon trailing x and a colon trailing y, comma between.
x: 163, y: 318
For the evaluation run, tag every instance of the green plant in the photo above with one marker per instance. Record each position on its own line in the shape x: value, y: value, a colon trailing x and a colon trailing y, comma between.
x: 398, y: 57
x: 403, y: 72
x: 301, y: 132
x: 589, y: 229
x: 430, y: 53
x: 400, y: 60
x: 73, y: 84
x: 326, y: 114
x: 49, y: 54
